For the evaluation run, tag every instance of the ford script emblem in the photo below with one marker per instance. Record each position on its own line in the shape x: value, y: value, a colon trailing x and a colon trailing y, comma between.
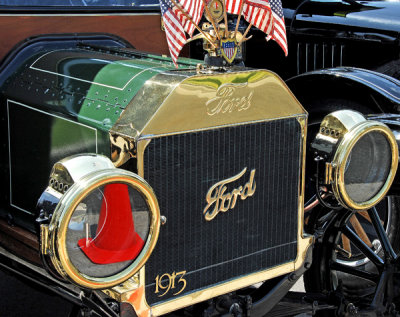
x: 218, y: 199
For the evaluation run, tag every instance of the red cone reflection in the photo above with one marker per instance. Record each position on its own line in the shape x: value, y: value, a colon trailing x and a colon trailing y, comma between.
x: 116, y: 239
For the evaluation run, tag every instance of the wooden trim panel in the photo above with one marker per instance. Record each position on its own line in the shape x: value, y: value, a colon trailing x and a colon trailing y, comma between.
x: 20, y: 242
x: 142, y: 31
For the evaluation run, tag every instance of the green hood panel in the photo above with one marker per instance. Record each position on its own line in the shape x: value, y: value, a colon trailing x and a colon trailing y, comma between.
x: 113, y: 88
x: 88, y: 86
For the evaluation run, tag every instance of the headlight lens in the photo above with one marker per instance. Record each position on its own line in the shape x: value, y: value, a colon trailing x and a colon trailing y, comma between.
x: 107, y: 230
x: 367, y: 167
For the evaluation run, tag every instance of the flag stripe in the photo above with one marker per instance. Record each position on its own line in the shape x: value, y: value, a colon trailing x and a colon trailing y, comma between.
x: 174, y: 30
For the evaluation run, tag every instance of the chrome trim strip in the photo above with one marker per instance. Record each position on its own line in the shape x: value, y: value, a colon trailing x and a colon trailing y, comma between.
x: 92, y: 82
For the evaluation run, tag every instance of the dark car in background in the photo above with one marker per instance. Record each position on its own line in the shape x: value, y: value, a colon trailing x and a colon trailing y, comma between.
x: 362, y: 34
x: 334, y: 33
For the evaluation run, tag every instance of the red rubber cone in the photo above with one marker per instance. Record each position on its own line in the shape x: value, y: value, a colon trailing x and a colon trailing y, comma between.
x: 116, y: 239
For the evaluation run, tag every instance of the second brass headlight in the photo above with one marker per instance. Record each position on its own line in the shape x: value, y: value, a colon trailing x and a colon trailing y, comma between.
x: 361, y: 158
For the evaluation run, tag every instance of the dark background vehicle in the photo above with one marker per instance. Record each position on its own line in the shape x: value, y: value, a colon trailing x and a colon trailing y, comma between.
x: 331, y: 33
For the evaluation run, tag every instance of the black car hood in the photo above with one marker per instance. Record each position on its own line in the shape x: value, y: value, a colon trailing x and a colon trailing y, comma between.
x: 382, y: 16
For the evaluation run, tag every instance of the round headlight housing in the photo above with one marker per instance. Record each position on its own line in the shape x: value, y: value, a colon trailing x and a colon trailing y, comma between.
x: 104, y: 228
x: 365, y: 164
x: 361, y: 158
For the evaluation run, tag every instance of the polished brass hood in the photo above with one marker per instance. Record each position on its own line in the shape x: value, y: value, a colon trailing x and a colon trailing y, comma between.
x: 176, y: 102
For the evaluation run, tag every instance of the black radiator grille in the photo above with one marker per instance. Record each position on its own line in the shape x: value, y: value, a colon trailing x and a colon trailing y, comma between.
x: 258, y: 233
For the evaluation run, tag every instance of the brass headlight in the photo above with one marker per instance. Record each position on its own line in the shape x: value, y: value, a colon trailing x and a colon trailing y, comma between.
x: 361, y: 158
x: 104, y: 226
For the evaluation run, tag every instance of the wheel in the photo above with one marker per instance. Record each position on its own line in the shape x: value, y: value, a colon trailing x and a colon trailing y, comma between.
x: 361, y: 224
x: 373, y: 287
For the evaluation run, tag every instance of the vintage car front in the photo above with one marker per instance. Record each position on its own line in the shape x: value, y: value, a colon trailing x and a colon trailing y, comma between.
x: 137, y: 185
x: 185, y: 184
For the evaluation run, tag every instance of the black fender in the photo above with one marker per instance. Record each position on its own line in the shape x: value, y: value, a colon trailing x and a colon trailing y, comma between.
x: 376, y: 92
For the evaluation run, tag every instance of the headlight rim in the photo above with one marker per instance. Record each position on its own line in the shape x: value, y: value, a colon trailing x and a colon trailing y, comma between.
x: 73, y: 196
x: 342, y: 153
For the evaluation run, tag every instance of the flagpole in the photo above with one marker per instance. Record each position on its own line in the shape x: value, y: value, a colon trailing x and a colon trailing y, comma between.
x: 191, y: 21
x: 212, y: 20
x: 238, y: 20
x: 245, y: 33
x: 225, y: 19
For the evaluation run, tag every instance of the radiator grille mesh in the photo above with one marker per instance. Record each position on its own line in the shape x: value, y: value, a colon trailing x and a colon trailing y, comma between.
x: 259, y: 233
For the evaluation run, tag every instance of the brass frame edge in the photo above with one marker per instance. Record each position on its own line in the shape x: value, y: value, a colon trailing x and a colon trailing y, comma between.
x: 304, y: 241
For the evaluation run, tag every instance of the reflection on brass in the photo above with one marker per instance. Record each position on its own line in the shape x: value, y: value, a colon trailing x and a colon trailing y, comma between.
x: 67, y: 171
x: 328, y: 173
x: 332, y: 128
x: 216, y: 11
x: 221, y: 201
x: 341, y: 122
x: 122, y: 149
x: 162, y: 24
x: 44, y: 241
x: 176, y: 102
x: 229, y: 97
x: 83, y: 186
x: 173, y: 281
x: 360, y: 230
x: 141, y: 146
x: 128, y: 285
x: 60, y: 180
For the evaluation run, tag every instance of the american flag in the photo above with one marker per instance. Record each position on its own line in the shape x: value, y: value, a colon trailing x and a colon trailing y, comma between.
x: 258, y: 13
x: 174, y: 30
x: 194, y: 8
x: 279, y: 32
x: 265, y: 15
